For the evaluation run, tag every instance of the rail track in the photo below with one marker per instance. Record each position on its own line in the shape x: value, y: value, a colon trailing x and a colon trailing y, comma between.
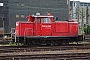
x: 73, y: 56
x: 63, y: 52
x: 4, y: 49
x: 70, y: 52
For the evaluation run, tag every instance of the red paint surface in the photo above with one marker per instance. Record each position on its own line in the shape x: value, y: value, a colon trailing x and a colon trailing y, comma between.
x: 24, y: 28
x: 59, y: 28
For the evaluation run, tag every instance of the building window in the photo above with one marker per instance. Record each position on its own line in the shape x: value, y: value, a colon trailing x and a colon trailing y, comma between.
x: 81, y: 5
x: 1, y: 4
x: 85, y: 5
x: 22, y: 16
x: 17, y: 3
x: 88, y: 4
x: 17, y: 16
x: 22, y: 4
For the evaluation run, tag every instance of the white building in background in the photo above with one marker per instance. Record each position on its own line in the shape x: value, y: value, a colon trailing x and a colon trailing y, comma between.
x: 1, y: 4
x: 76, y: 8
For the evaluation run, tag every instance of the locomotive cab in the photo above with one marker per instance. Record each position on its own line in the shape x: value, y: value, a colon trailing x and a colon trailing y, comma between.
x: 41, y: 25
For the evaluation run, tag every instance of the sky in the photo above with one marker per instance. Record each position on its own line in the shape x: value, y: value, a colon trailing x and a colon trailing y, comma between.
x: 82, y: 0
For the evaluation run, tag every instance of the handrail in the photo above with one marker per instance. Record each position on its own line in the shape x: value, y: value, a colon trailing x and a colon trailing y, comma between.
x: 13, y: 32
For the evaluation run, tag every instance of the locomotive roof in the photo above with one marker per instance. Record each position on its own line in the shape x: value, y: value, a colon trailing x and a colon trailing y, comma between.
x: 41, y: 16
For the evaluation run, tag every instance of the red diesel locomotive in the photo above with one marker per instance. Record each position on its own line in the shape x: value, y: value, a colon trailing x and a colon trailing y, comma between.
x: 40, y: 29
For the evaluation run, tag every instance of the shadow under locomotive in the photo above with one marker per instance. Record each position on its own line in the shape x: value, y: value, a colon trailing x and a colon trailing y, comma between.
x: 47, y: 40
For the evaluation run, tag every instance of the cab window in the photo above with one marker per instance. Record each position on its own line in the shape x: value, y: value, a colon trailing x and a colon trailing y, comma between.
x: 46, y: 20
x: 38, y: 20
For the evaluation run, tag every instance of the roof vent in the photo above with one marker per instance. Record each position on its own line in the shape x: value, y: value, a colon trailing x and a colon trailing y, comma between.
x: 37, y: 13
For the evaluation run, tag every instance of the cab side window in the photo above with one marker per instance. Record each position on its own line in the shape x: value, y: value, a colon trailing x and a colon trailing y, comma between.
x: 46, y: 20
x: 38, y: 20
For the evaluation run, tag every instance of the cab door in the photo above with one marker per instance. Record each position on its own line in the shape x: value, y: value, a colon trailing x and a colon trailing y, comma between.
x: 46, y: 27
x: 37, y: 26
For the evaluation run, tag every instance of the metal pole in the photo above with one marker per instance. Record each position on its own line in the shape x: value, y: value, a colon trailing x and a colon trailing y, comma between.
x: 87, y: 20
x: 3, y: 21
x: 3, y: 25
x: 3, y: 28
x: 82, y: 22
x: 87, y: 15
x: 78, y: 13
x: 73, y: 10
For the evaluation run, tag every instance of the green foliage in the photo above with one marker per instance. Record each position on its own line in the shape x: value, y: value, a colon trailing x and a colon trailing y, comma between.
x: 15, y: 44
x: 81, y: 30
x: 87, y: 29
